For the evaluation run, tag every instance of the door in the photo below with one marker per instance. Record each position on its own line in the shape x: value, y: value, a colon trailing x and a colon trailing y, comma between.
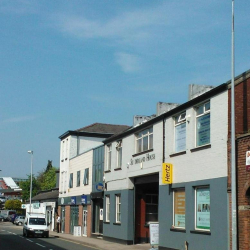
x: 74, y: 218
x: 84, y: 223
x: 62, y: 219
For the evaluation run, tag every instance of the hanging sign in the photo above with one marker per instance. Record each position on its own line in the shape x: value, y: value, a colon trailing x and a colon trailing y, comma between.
x: 167, y: 173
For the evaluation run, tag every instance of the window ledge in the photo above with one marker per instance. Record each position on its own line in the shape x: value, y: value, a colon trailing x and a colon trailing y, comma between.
x: 106, y: 222
x: 107, y: 171
x: 117, y: 223
x: 200, y: 232
x: 180, y: 230
x: 144, y: 152
x: 177, y: 154
x: 117, y: 169
x: 200, y: 148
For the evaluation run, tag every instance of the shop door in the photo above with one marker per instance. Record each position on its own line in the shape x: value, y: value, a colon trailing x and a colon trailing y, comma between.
x: 62, y: 219
x: 74, y: 218
x: 84, y: 223
x: 49, y: 217
x: 98, y: 217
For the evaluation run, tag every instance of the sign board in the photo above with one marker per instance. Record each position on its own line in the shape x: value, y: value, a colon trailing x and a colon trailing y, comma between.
x: 167, y: 173
x: 99, y: 187
x: 84, y: 199
x: 154, y: 233
x: 248, y: 161
x: 36, y: 205
x: 73, y: 200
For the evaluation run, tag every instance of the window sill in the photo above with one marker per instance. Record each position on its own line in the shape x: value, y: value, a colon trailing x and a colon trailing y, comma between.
x: 200, y: 232
x: 144, y: 152
x: 177, y: 154
x: 117, y: 169
x: 107, y: 171
x: 117, y: 223
x: 200, y: 148
x: 180, y: 230
x: 106, y: 222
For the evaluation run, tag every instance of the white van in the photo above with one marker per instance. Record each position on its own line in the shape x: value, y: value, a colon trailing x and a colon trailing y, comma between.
x: 35, y: 225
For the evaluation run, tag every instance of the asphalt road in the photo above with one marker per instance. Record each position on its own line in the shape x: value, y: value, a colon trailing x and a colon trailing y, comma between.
x: 11, y: 238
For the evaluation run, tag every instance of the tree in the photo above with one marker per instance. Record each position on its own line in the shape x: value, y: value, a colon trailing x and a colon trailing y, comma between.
x: 13, y: 205
x: 25, y: 186
x: 49, y: 166
x: 48, y: 179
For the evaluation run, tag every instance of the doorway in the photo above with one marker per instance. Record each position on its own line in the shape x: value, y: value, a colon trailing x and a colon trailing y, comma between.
x: 98, y: 216
x: 63, y: 219
x: 74, y: 218
x: 84, y: 223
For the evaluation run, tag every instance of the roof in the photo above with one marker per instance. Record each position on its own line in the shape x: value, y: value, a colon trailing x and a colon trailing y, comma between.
x: 46, y: 195
x: 100, y: 130
x: 10, y: 183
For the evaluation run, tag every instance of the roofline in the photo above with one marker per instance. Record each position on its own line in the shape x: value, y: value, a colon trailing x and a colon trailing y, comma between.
x: 88, y: 134
x: 178, y: 109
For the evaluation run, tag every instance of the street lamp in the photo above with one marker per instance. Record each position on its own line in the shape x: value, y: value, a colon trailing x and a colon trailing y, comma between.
x: 31, y: 152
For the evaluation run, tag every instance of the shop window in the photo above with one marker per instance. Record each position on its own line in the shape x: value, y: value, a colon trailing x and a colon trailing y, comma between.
x: 78, y: 180
x: 151, y: 208
x: 144, y: 140
x: 108, y: 157
x: 118, y: 208
x: 119, y: 154
x: 203, y: 124
x: 202, y: 208
x: 71, y: 180
x: 180, y: 132
x: 86, y: 176
x: 107, y: 208
x: 179, y: 208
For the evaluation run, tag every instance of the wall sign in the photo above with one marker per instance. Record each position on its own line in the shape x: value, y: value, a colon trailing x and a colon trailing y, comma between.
x: 73, y: 200
x: 99, y: 186
x: 167, y: 173
x: 148, y: 157
x: 84, y: 199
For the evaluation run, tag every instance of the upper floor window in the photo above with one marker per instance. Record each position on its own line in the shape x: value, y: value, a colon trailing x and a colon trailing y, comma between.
x: 119, y: 154
x: 180, y: 132
x: 107, y: 208
x: 71, y: 180
x: 108, y: 157
x: 78, y: 180
x: 203, y: 124
x: 144, y: 140
x: 118, y: 208
x: 86, y: 176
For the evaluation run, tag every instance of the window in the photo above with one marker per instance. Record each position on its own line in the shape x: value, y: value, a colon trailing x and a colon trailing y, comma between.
x: 144, y: 140
x: 118, y: 208
x: 203, y: 124
x: 71, y: 180
x: 119, y: 154
x: 179, y: 208
x: 78, y: 178
x: 180, y: 132
x: 108, y: 162
x: 107, y: 208
x: 86, y: 177
x: 202, y: 208
x: 151, y: 208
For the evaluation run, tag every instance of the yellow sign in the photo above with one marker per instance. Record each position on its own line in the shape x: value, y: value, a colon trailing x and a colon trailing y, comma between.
x: 167, y: 173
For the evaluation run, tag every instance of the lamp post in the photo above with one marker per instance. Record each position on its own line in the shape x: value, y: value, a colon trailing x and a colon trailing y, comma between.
x: 31, y: 152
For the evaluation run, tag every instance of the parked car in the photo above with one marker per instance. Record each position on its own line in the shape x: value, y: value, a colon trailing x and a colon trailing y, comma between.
x: 19, y: 220
x: 3, y: 199
x: 2, y: 218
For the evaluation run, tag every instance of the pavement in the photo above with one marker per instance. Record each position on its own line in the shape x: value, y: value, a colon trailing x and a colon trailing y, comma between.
x: 99, y: 243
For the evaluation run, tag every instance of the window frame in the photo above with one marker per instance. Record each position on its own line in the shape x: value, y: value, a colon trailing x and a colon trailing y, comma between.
x: 108, y: 155
x: 119, y: 154
x: 179, y: 121
x: 139, y: 139
x: 78, y: 178
x: 203, y: 228
x: 118, y: 208
x: 107, y: 214
x: 175, y: 191
x: 71, y: 179
x: 204, y: 113
x: 151, y: 203
x: 86, y: 177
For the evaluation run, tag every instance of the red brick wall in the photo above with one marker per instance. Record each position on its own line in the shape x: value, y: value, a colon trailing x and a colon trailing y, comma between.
x: 89, y: 221
x: 67, y: 219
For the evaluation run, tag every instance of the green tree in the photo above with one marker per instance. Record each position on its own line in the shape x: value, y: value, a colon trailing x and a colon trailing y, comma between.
x: 25, y: 186
x: 49, y: 166
x: 48, y: 179
x: 13, y: 205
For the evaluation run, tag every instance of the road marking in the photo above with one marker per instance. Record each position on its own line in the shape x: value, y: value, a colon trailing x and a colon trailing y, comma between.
x: 40, y: 245
x: 29, y: 240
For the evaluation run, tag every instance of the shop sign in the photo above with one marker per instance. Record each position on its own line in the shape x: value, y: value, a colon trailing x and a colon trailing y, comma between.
x: 73, y: 200
x: 99, y: 186
x: 148, y: 157
x: 36, y: 205
x: 84, y: 199
x: 154, y: 234
x: 248, y: 161
x: 167, y: 173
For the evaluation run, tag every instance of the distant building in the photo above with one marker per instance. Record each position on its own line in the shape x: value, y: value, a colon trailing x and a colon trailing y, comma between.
x: 9, y: 188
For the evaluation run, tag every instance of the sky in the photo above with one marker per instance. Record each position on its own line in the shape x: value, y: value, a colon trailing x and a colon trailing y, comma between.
x: 68, y: 64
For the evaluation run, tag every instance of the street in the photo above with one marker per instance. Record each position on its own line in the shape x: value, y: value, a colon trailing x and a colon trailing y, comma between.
x: 11, y: 239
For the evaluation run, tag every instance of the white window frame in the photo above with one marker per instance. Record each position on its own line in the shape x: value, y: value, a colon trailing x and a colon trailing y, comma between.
x: 118, y: 208
x: 86, y: 176
x: 174, y: 219
x: 200, y: 228
x: 205, y: 111
x: 119, y: 154
x: 107, y: 208
x: 146, y: 133
x: 71, y: 180
x: 179, y: 120
x: 78, y: 178
x: 108, y: 155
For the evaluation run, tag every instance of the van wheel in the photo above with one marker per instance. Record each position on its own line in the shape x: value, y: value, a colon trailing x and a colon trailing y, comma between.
x: 19, y: 223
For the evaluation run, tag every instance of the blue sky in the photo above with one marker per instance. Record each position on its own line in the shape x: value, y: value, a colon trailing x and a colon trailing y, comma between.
x: 68, y: 64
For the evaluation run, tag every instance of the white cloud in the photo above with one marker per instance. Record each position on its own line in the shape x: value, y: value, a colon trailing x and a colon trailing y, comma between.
x: 128, y: 62
x: 19, y: 119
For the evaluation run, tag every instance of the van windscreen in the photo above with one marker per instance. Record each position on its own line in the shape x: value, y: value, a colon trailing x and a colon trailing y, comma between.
x: 37, y: 221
